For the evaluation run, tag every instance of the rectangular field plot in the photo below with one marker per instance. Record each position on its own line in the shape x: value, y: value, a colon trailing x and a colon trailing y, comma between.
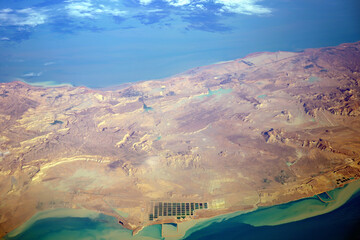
x: 180, y: 210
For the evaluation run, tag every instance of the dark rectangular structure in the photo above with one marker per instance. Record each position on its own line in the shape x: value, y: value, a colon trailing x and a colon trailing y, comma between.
x: 156, y: 211
x: 160, y: 209
x: 174, y: 209
x: 180, y: 210
x: 169, y: 209
x: 165, y: 209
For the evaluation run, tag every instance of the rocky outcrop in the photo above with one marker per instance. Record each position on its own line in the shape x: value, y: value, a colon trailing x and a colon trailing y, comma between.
x: 274, y: 136
x: 339, y: 101
x: 321, y: 144
x: 183, y: 160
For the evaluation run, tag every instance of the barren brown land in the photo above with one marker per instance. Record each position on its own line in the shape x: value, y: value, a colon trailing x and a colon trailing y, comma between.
x: 257, y: 131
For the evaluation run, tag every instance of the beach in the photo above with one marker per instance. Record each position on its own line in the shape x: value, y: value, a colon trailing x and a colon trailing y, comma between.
x: 84, y: 224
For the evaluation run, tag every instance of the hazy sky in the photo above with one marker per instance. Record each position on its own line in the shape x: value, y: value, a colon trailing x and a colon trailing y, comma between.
x: 100, y: 43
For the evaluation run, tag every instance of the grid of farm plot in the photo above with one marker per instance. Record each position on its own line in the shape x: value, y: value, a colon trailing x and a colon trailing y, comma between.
x: 178, y: 210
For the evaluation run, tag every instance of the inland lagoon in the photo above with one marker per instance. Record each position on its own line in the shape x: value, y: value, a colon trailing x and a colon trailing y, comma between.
x: 219, y: 92
x: 307, y: 218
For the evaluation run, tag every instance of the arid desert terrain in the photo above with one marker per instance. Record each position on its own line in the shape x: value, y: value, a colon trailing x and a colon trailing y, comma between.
x: 257, y: 131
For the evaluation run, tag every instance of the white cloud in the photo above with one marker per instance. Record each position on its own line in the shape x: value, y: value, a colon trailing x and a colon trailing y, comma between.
x: 23, y: 17
x: 200, y: 6
x: 32, y: 74
x: 49, y: 63
x: 154, y: 10
x: 88, y: 10
x: 178, y: 3
x: 175, y: 3
x: 248, y: 7
x: 80, y: 9
x: 115, y: 12
x: 5, y: 39
x: 145, y: 2
x: 6, y: 10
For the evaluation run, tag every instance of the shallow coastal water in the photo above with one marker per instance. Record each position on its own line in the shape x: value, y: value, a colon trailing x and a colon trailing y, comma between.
x: 48, y: 84
x: 342, y: 223
x: 306, y: 218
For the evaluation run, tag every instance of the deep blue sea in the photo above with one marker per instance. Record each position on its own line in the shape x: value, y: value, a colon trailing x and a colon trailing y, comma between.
x: 275, y: 222
x: 342, y: 223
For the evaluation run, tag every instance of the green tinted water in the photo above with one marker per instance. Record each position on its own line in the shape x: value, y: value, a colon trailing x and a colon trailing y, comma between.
x: 84, y: 224
x: 218, y: 92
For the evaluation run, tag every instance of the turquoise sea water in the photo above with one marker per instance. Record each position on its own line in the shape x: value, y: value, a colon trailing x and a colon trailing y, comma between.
x: 307, y: 218
x: 342, y: 223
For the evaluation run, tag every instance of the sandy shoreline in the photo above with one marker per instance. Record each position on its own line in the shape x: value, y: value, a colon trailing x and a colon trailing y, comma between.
x: 276, y: 215
x: 264, y: 216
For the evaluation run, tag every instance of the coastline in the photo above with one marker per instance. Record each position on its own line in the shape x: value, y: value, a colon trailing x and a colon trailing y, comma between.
x: 53, y: 213
x: 263, y: 216
x: 46, y: 84
x: 325, y: 165
x: 287, y: 212
x: 296, y: 212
